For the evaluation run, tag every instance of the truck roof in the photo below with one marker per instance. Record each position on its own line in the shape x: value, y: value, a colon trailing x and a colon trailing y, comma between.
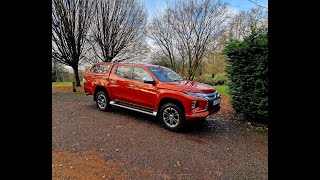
x: 130, y: 64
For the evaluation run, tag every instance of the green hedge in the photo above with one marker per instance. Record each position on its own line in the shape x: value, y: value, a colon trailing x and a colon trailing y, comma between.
x: 248, y: 69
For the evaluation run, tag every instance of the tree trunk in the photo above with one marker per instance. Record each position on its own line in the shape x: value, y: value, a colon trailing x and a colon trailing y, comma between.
x: 76, y: 76
x: 56, y: 75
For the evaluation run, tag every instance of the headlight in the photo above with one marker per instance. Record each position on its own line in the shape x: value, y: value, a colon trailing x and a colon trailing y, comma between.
x: 194, y: 104
x: 196, y: 94
x: 203, y: 95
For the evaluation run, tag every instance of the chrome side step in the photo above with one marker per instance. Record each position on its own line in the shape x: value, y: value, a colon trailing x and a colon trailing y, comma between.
x: 154, y: 113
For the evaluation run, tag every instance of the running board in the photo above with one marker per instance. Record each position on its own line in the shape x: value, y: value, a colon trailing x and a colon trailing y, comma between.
x: 113, y: 103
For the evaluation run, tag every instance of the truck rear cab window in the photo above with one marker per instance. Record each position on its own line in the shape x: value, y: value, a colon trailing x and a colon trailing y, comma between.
x: 100, y: 68
x: 123, y: 71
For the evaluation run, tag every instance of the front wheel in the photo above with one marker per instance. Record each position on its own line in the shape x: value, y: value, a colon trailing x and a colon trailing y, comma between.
x: 102, y: 101
x: 172, y: 117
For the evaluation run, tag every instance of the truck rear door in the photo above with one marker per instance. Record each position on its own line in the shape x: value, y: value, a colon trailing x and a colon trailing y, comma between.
x: 118, y: 82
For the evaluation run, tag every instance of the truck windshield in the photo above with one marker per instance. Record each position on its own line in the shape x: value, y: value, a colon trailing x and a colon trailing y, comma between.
x: 165, y: 74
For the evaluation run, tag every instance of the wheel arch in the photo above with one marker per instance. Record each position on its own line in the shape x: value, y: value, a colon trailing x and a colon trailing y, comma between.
x: 171, y: 100
x: 97, y: 89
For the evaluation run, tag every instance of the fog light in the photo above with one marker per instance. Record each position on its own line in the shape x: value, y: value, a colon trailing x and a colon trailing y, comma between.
x: 195, y: 104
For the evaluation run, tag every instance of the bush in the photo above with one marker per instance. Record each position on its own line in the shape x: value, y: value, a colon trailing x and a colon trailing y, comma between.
x: 208, y: 81
x: 219, y: 79
x: 248, y: 68
x: 204, y: 78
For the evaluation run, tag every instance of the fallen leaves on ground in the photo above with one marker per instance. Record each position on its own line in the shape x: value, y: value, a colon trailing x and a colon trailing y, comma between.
x: 66, y: 89
x: 88, y: 165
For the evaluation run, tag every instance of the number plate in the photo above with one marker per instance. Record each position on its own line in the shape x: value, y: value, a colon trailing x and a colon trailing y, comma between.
x: 215, y: 102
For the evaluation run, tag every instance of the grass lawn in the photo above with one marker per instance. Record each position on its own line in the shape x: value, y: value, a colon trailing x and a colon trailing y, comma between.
x: 223, y: 90
x: 63, y: 84
x: 66, y: 87
x: 226, y: 107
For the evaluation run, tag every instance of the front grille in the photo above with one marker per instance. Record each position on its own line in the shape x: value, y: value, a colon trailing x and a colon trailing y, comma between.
x: 211, y: 106
x: 211, y: 97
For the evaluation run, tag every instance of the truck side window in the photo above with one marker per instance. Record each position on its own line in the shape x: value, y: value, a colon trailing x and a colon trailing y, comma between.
x: 139, y: 74
x: 100, y: 68
x: 123, y: 71
x: 93, y: 69
x: 105, y: 68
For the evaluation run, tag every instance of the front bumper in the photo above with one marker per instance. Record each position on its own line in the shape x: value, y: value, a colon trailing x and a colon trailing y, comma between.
x: 206, y: 107
x: 203, y: 115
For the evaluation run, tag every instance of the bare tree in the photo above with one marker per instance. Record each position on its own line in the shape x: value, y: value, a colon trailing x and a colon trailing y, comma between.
x: 162, y: 33
x: 70, y: 24
x: 57, y: 71
x: 187, y: 31
x: 259, y: 5
x: 215, y: 63
x: 118, y: 29
x: 245, y: 22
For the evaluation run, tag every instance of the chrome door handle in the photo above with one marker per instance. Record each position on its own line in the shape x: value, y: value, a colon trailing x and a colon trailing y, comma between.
x: 131, y: 85
x: 112, y: 81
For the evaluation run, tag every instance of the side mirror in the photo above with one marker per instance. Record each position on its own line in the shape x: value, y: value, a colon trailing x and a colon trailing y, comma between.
x: 149, y: 80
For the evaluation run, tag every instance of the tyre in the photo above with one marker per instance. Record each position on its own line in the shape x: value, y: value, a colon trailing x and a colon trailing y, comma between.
x: 102, y: 100
x: 172, y: 117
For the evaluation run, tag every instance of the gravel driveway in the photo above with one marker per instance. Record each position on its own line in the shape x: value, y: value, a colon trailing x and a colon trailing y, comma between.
x: 122, y: 144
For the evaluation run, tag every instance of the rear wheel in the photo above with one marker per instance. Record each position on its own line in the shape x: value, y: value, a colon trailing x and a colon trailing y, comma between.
x: 102, y: 101
x: 172, y: 117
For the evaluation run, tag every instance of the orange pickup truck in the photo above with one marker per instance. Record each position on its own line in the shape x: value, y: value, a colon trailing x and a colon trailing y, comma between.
x: 151, y: 89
